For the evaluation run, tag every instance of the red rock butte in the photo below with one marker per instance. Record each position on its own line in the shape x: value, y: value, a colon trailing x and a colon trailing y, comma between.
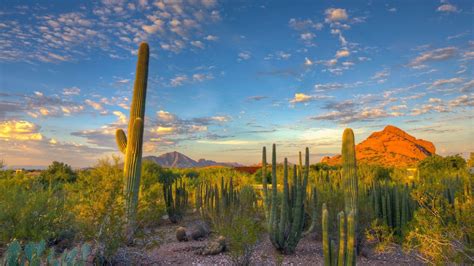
x: 389, y: 147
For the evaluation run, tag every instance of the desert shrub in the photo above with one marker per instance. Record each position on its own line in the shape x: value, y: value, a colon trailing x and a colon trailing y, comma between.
x: 97, y: 203
x: 258, y: 176
x: 151, y: 206
x: 441, y: 230
x: 28, y: 211
x: 242, y: 233
x: 241, y: 225
x: 57, y: 173
x: 381, y: 235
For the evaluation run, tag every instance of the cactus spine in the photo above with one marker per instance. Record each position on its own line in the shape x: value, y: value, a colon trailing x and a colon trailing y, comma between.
x: 286, y: 219
x: 132, y: 147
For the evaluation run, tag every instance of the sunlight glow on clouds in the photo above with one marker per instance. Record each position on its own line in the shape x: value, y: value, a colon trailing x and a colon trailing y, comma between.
x: 219, y: 88
x: 19, y: 130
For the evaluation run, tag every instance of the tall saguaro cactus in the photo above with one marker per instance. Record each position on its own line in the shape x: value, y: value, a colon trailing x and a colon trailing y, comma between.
x: 346, y: 254
x: 349, y: 171
x: 349, y: 176
x: 132, y: 147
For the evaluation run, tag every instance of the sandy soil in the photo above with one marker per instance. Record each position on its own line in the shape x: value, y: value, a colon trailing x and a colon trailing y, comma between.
x: 161, y: 248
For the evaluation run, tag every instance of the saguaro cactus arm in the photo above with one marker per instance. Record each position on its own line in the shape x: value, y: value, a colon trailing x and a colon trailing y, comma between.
x: 121, y: 140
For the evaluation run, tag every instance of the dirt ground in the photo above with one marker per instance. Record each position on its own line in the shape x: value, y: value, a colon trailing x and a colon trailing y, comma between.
x: 161, y: 248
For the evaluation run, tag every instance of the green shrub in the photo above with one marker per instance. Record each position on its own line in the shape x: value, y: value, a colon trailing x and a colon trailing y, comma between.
x: 28, y: 211
x: 96, y: 200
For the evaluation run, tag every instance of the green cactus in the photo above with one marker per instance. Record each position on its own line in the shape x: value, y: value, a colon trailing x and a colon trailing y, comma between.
x: 285, y: 223
x: 176, y: 201
x: 34, y: 254
x: 350, y: 183
x: 351, y: 239
x: 349, y: 171
x: 132, y: 147
x: 326, y: 244
x: 342, y: 239
x: 314, y: 213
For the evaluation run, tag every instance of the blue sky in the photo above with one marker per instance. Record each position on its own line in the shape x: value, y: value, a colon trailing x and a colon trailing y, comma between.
x: 227, y: 77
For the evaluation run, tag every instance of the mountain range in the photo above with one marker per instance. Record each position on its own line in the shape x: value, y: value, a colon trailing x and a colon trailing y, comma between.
x: 178, y: 160
x: 389, y: 147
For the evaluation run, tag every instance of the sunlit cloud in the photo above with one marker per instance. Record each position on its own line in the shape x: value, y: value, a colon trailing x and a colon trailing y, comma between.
x: 19, y: 130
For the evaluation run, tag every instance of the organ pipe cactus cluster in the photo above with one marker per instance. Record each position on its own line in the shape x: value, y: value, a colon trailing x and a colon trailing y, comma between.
x: 392, y: 205
x: 176, y: 201
x: 132, y: 146
x: 214, y: 201
x: 286, y: 217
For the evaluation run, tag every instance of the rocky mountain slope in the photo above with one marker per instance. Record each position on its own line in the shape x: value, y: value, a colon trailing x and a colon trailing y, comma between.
x: 389, y: 147
x: 179, y: 160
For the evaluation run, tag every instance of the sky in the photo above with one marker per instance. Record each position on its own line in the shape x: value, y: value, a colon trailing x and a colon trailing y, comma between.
x: 228, y: 77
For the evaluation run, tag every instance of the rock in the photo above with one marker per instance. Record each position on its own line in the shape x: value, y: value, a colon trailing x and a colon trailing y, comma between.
x: 389, y: 147
x: 181, y: 234
x: 199, y: 231
x: 215, y: 247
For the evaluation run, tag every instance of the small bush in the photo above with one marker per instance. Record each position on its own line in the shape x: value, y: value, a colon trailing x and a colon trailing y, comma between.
x: 28, y: 211
x: 381, y: 235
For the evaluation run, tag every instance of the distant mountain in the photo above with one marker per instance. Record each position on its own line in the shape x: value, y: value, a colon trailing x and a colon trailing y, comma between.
x: 389, y: 147
x: 179, y: 160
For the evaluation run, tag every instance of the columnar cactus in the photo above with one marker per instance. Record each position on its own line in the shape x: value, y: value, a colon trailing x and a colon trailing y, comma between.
x: 342, y: 239
x: 349, y: 171
x: 286, y: 220
x: 175, y: 204
x: 132, y: 147
x: 351, y: 239
x: 326, y: 244
x: 349, y: 175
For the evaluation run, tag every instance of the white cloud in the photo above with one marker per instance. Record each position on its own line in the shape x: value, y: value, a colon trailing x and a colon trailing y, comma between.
x: 198, y: 44
x: 163, y: 130
x: 200, y: 77
x: 463, y: 100
x: 245, y: 55
x: 308, y: 62
x: 307, y: 36
x: 342, y: 53
x: 211, y: 38
x: 442, y: 82
x: 122, y: 118
x: 336, y: 14
x: 71, y: 91
x: 165, y: 116
x: 304, y: 98
x: 97, y: 106
x: 300, y: 25
x: 435, y: 100
x: 178, y: 80
x: 434, y: 55
x: 19, y: 130
x: 448, y: 8
x: 399, y: 107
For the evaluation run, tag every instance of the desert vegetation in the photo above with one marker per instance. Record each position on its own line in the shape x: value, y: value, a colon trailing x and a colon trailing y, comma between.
x: 118, y: 213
